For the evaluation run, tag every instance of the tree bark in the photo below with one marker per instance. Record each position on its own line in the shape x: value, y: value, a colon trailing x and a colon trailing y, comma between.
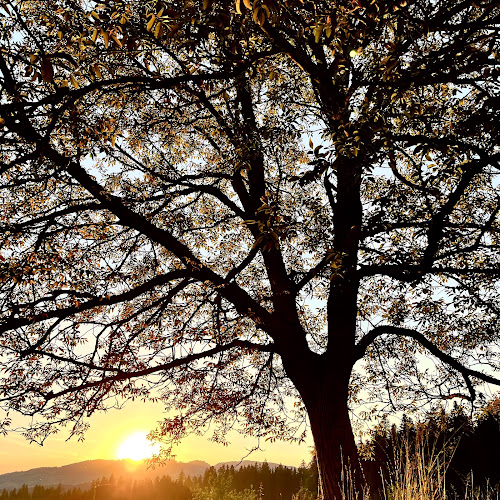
x: 324, y: 391
x: 336, y: 451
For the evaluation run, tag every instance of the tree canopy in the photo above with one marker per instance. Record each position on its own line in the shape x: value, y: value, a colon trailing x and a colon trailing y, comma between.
x: 256, y: 212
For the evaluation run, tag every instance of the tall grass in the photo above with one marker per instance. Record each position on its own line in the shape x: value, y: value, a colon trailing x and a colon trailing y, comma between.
x: 349, y: 489
x: 418, y: 468
x: 417, y: 471
x: 474, y: 492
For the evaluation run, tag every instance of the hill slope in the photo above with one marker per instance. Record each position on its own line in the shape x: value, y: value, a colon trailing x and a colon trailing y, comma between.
x: 90, y: 470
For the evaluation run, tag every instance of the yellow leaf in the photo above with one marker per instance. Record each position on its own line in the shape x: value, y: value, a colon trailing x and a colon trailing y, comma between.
x: 97, y: 71
x: 318, y: 31
x: 158, y: 29
x: 74, y: 82
x: 247, y: 3
x: 255, y: 14
x: 151, y: 23
x: 95, y: 15
x: 105, y: 37
x: 94, y: 35
x: 118, y: 42
x: 205, y: 4
x: 257, y: 242
x: 238, y: 6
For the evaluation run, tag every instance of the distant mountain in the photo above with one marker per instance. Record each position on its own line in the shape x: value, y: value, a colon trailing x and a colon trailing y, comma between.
x: 88, y: 471
x: 83, y: 473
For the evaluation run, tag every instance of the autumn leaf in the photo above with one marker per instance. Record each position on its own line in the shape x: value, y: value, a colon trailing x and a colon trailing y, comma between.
x: 318, y: 32
x: 151, y: 22
x: 47, y: 70
x: 74, y: 82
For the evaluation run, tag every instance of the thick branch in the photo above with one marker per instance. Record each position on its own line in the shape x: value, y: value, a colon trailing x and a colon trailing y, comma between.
x: 142, y: 83
x: 122, y: 375
x: 18, y: 322
x: 369, y: 338
x: 411, y: 272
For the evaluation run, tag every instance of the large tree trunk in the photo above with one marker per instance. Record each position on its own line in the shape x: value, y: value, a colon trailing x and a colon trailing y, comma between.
x: 336, y: 452
x: 324, y: 390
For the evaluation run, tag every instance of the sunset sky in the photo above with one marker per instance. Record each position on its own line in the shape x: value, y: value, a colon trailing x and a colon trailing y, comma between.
x: 109, y: 430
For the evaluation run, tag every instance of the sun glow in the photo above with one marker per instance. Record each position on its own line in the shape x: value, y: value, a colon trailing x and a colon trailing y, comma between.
x: 137, y: 447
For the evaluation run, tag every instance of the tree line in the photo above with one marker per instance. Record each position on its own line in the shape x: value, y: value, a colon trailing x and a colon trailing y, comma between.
x: 226, y: 483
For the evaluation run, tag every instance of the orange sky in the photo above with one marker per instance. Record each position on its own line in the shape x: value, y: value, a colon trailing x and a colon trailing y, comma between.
x: 109, y: 430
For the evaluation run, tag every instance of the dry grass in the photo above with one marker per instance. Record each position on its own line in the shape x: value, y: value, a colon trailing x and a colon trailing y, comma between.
x: 418, y: 469
x: 417, y: 472
x: 350, y: 491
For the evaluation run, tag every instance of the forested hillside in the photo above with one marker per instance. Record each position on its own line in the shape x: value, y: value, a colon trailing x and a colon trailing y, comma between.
x: 226, y: 483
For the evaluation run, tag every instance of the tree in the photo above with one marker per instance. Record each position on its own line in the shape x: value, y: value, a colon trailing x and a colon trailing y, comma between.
x: 218, y: 485
x: 227, y: 205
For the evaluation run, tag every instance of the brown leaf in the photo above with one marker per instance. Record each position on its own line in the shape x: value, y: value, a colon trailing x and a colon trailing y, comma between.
x: 47, y: 70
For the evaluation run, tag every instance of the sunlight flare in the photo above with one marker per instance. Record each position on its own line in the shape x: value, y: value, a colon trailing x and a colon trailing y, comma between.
x: 137, y: 447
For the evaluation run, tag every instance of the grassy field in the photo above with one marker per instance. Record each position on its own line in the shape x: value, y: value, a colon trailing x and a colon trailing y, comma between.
x: 418, y: 472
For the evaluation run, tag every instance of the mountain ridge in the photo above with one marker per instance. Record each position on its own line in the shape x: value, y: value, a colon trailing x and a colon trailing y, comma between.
x: 85, y: 472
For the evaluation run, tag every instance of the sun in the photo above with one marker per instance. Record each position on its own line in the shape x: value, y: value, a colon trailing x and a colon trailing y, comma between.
x: 137, y: 447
